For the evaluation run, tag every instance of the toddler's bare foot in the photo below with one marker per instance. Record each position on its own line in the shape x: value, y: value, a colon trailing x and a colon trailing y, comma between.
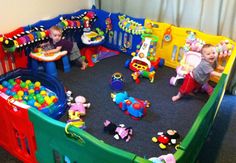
x: 176, y: 97
x: 84, y: 65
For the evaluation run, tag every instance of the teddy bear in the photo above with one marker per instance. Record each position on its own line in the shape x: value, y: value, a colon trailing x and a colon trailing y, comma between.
x: 78, y: 108
x: 118, y: 131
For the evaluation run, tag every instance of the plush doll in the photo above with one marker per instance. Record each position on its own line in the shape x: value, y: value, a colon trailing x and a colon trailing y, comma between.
x: 168, y: 158
x: 78, y: 108
x: 224, y: 48
x: 69, y: 97
x: 118, y: 131
x: 168, y: 138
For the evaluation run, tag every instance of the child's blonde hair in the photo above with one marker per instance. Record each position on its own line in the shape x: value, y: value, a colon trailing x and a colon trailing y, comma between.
x: 55, y: 28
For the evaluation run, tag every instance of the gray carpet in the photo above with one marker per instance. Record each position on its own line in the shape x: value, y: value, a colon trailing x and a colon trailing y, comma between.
x: 162, y: 115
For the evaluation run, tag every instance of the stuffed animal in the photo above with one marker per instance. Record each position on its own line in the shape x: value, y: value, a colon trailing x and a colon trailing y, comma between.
x: 118, y: 131
x: 78, y: 108
x: 134, y: 107
x: 224, y: 48
x: 168, y: 158
x: 168, y: 138
x: 69, y: 97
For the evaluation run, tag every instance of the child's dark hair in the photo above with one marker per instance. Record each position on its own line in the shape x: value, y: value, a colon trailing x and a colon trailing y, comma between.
x: 206, y: 46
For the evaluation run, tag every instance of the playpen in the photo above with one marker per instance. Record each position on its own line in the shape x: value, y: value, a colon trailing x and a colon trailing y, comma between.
x: 32, y: 136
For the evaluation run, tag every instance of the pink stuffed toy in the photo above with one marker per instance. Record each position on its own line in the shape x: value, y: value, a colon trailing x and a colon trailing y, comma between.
x: 118, y: 131
x: 79, y: 106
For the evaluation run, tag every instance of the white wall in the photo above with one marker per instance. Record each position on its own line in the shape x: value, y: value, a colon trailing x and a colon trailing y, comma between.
x: 17, y: 13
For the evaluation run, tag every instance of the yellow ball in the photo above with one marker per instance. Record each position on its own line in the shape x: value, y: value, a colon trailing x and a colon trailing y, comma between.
x: 28, y: 82
x: 37, y: 84
x: 31, y: 91
x: 20, y: 93
x: 36, y: 104
x: 43, y: 93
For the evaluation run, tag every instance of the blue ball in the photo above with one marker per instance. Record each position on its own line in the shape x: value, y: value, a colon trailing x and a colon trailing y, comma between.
x: 5, y: 84
x: 8, y: 92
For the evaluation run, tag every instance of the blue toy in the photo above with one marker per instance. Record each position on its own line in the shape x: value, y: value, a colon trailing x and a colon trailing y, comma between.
x: 117, y: 81
x: 134, y: 107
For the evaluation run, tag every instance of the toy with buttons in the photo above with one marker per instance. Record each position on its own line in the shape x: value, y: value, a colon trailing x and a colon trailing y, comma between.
x: 30, y: 93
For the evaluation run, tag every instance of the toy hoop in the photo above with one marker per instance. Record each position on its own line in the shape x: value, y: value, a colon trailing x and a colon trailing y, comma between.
x: 153, y: 37
x: 117, y: 75
x: 66, y: 128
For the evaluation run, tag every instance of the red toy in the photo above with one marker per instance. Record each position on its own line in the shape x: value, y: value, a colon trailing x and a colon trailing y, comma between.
x: 168, y: 138
x: 88, y: 52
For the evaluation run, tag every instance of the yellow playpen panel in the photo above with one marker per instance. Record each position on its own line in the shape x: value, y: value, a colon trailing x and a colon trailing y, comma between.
x: 172, y: 51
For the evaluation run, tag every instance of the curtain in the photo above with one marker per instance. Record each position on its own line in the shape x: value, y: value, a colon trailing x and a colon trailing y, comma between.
x: 217, y: 17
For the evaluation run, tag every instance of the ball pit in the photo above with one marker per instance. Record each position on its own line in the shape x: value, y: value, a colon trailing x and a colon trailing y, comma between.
x: 35, y: 89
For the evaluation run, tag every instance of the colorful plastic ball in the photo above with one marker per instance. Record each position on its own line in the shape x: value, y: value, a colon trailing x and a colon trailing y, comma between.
x: 40, y: 100
x: 31, y: 91
x: 51, y: 94
x: 20, y: 93
x: 31, y: 102
x: 28, y: 82
x: 22, y: 84
x: 16, y: 97
x: 13, y: 93
x: 43, y: 93
x: 31, y: 86
x: 54, y: 98
x: 16, y: 87
x: 5, y: 84
x: 1, y: 87
x: 37, y: 84
x: 18, y: 80
x: 48, y: 100
x: 11, y: 81
x: 4, y: 89
x: 36, y: 104
x: 8, y: 92
x: 31, y: 96
x: 10, y: 86
x: 42, y: 88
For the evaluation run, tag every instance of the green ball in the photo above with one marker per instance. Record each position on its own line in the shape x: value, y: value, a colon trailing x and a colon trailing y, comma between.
x: 11, y: 81
x: 40, y: 100
x: 22, y: 84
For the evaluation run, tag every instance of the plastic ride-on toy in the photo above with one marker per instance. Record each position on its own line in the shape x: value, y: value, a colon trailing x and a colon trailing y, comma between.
x: 189, y: 61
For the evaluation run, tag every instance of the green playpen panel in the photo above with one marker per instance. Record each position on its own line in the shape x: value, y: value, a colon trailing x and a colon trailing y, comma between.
x: 54, y: 145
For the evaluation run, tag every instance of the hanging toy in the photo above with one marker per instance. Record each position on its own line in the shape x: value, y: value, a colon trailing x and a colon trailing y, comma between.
x: 109, y: 26
x: 167, y: 35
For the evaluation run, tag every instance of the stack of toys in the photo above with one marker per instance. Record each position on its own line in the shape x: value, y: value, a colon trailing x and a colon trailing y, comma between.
x: 224, y: 48
x: 193, y: 43
x: 77, y: 110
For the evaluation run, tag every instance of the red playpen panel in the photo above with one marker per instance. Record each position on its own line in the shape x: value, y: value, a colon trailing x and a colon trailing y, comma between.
x: 11, y: 61
x: 17, y: 132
